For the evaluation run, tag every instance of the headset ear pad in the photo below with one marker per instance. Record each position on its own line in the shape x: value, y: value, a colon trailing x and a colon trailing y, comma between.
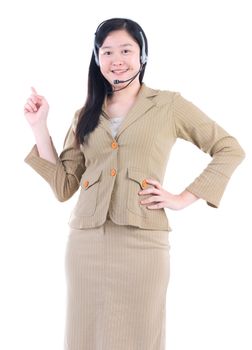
x: 96, y: 54
x: 144, y: 56
x: 143, y: 59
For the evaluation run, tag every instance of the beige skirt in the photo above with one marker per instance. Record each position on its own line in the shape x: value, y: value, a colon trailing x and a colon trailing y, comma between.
x: 117, y: 278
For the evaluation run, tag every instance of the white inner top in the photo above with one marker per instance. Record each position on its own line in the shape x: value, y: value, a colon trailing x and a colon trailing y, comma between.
x: 115, y: 122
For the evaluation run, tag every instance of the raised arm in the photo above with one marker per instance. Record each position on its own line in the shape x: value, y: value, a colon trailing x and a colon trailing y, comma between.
x: 36, y: 112
x: 63, y: 172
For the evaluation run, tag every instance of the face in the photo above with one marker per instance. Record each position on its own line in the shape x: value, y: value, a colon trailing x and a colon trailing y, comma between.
x: 119, y: 56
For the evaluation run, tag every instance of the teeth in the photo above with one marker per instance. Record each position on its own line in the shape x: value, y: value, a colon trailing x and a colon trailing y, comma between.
x: 119, y: 71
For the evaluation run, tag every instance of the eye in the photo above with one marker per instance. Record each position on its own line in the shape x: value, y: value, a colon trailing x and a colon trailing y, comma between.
x: 107, y: 53
x: 125, y: 51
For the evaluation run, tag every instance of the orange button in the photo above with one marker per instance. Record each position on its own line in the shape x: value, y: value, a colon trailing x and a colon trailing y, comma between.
x: 86, y: 183
x: 113, y: 172
x: 114, y: 144
x: 144, y: 184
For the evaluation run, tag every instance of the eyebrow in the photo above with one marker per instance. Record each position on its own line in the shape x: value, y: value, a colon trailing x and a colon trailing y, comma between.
x: 109, y: 47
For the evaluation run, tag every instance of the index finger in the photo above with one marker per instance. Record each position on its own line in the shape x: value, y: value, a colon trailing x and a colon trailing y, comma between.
x: 35, y: 92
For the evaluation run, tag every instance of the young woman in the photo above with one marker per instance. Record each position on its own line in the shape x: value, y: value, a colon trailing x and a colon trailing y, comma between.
x: 116, y: 152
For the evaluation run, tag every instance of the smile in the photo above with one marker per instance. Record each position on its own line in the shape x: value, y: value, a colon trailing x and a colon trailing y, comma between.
x: 119, y: 71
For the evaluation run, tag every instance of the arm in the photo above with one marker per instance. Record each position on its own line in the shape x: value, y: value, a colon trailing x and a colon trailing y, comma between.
x: 44, y: 144
x: 64, y: 175
x: 36, y: 111
x: 186, y: 198
x: 193, y: 125
x: 63, y: 172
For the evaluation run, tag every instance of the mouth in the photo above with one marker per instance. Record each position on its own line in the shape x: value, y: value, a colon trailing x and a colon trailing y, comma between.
x: 119, y: 71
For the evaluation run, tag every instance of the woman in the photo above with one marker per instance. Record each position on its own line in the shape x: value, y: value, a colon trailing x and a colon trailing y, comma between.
x: 116, y: 151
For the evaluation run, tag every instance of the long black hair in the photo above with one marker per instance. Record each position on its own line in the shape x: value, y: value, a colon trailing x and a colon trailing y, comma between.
x: 98, y: 86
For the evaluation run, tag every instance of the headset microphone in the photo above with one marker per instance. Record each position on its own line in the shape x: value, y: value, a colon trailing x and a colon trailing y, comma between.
x: 130, y: 79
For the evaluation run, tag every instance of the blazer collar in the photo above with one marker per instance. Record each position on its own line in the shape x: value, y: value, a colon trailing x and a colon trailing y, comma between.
x: 143, y: 103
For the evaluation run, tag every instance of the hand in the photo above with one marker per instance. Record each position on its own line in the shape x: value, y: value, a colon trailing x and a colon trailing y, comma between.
x: 163, y: 199
x: 36, y: 109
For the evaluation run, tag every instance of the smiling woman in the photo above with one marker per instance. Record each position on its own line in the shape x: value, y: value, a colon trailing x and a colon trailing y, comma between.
x: 116, y: 151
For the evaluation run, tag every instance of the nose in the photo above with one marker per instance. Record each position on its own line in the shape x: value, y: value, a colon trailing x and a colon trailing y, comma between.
x: 117, y: 60
x: 117, y: 64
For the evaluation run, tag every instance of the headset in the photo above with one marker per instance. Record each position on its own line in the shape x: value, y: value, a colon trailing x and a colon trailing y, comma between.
x: 143, y: 57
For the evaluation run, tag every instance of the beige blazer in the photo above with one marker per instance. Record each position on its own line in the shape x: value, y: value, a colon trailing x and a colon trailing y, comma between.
x: 111, y: 171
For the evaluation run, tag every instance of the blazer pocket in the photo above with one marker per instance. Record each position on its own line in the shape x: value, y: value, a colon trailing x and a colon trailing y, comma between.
x: 87, y: 200
x: 136, y: 182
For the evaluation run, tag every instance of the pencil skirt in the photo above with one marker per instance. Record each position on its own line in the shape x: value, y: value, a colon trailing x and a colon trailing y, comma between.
x: 117, y: 278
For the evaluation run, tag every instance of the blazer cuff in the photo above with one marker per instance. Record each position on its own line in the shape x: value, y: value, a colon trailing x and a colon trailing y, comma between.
x: 42, y: 166
x: 211, y: 190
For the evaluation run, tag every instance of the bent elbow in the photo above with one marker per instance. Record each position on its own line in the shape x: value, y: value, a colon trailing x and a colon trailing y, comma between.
x: 231, y: 147
x: 62, y: 198
x: 65, y: 191
x: 242, y: 154
x: 239, y: 152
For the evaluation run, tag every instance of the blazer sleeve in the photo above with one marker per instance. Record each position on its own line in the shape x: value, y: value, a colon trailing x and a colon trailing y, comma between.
x: 193, y: 125
x: 64, y: 176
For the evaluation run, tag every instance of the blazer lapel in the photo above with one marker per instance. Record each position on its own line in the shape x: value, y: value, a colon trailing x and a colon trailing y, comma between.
x: 142, y: 105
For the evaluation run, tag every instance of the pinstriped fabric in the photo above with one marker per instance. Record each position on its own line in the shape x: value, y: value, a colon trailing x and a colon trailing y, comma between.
x: 117, y: 280
x: 144, y: 141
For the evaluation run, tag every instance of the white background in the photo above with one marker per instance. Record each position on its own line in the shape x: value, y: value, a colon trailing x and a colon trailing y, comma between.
x: 199, y: 48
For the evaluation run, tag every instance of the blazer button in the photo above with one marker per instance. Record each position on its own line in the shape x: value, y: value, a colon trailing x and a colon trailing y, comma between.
x: 114, y: 144
x: 144, y: 184
x: 86, y: 183
x: 113, y: 172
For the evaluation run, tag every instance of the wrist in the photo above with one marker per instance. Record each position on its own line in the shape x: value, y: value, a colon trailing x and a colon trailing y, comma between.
x: 39, y: 127
x: 186, y: 198
x: 40, y: 131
